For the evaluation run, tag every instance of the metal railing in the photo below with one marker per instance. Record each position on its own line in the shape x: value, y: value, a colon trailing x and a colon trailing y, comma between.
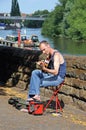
x: 23, y: 18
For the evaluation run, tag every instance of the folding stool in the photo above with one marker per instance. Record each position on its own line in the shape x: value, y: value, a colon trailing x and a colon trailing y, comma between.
x: 55, y: 95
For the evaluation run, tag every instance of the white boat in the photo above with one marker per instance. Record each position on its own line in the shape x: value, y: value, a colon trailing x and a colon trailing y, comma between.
x: 33, y: 40
x: 20, y: 41
x: 1, y: 38
x: 2, y: 26
x: 14, y: 38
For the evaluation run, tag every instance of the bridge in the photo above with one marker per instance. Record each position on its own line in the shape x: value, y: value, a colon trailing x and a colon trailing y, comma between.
x: 23, y: 18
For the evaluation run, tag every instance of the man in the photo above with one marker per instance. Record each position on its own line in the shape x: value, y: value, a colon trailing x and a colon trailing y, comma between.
x: 53, y: 75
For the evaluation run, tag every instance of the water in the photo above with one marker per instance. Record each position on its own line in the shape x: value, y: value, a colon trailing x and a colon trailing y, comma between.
x: 70, y: 47
x: 65, y: 46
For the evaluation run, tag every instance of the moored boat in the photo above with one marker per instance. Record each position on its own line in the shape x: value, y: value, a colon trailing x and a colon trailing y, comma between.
x: 2, y: 26
x: 32, y: 41
x: 20, y: 41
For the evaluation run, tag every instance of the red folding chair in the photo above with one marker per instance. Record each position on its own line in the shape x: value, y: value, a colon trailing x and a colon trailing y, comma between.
x: 55, y: 95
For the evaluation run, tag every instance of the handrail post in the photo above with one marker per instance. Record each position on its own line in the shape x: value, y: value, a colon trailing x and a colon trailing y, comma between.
x: 19, y: 38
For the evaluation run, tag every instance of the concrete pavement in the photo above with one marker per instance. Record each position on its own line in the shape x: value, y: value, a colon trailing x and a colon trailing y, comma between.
x: 13, y: 119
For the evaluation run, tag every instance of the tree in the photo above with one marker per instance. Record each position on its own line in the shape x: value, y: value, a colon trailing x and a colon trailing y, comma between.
x: 52, y: 25
x: 76, y: 21
x: 15, y: 10
x: 67, y: 19
x: 36, y: 24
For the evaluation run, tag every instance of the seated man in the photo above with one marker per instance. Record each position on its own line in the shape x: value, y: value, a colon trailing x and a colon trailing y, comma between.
x: 53, y: 75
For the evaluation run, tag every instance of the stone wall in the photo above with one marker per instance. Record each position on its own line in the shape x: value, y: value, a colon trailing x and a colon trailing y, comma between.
x: 74, y: 89
x: 17, y: 64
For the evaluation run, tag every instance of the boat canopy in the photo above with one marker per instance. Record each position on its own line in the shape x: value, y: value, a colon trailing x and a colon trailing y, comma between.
x: 15, y: 38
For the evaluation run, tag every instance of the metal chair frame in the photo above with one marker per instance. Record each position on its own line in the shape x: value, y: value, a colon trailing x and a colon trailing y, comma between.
x: 55, y: 95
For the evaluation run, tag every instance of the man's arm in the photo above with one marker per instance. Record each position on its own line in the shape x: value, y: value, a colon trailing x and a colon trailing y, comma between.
x: 56, y: 66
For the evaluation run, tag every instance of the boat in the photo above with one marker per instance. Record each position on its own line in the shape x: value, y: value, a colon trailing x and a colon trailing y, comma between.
x: 14, y: 38
x: 1, y: 38
x: 32, y: 41
x: 20, y: 40
x: 2, y: 26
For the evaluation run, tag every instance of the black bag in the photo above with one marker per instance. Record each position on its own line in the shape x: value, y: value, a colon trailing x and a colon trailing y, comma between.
x: 17, y: 102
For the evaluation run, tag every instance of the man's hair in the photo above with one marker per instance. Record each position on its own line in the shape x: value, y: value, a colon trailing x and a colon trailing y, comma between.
x: 44, y: 42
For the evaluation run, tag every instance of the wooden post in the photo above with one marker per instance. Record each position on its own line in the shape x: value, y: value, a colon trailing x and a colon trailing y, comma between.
x: 19, y: 38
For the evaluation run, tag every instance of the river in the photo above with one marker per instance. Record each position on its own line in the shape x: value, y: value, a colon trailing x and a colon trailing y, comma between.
x: 65, y: 46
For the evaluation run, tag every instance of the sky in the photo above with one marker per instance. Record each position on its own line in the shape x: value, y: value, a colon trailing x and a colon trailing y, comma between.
x: 28, y: 6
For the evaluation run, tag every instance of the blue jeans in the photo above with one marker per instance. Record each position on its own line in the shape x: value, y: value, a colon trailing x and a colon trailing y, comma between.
x: 42, y: 79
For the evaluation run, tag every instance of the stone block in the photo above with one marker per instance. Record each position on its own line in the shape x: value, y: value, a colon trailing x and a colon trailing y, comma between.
x: 80, y: 104
x: 75, y: 92
x: 20, y: 69
x: 21, y: 85
x: 67, y: 90
x: 77, y: 83
x: 66, y: 99
x: 82, y: 94
x: 9, y: 82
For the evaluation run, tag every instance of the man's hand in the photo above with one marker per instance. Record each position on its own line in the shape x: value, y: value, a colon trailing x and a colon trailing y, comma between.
x: 41, y: 64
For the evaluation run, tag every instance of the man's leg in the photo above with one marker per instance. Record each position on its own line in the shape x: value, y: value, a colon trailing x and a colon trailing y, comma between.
x: 35, y: 83
x: 51, y: 81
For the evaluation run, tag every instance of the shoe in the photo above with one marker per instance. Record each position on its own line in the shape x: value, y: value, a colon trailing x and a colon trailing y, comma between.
x: 29, y: 99
x: 36, y: 98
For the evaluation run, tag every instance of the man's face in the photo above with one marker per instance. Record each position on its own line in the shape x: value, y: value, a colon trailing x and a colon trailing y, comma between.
x: 44, y: 48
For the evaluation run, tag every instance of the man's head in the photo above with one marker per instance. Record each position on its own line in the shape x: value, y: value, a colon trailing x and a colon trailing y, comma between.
x: 44, y: 47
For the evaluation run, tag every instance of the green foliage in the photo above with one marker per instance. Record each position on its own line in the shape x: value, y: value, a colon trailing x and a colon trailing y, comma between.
x: 15, y: 10
x: 63, y: 2
x: 39, y: 13
x: 52, y: 25
x: 76, y: 20
x: 48, y: 25
x: 67, y: 19
x: 36, y: 24
x: 32, y: 24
